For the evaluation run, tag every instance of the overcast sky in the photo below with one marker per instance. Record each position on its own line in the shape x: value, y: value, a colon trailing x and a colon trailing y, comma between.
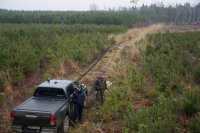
x: 78, y: 4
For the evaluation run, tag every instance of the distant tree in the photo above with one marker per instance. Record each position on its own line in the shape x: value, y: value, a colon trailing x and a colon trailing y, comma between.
x: 134, y: 2
x: 93, y: 7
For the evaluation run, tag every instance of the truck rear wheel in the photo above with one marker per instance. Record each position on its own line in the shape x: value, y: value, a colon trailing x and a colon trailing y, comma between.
x: 65, y: 125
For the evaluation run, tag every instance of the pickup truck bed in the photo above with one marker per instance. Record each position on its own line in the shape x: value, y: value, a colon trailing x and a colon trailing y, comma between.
x: 41, y: 104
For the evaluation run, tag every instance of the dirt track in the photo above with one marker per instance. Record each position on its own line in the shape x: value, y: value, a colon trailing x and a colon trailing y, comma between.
x: 107, y: 62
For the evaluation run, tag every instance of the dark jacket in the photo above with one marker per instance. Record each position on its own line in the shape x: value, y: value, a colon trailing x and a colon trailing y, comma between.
x: 78, y: 98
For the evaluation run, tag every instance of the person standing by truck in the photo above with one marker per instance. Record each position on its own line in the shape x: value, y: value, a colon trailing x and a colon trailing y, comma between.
x: 78, y: 98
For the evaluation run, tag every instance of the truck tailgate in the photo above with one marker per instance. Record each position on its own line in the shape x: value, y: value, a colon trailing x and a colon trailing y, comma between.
x: 32, y: 118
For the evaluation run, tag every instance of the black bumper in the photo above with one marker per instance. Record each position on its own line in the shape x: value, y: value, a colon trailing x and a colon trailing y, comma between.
x: 20, y: 128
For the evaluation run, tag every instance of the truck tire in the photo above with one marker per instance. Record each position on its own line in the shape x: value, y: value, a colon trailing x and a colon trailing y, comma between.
x: 65, y: 125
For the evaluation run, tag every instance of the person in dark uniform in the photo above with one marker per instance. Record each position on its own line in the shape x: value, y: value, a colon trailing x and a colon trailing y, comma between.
x: 100, y: 87
x: 78, y: 98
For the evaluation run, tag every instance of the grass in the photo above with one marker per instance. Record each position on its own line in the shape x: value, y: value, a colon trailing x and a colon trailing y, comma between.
x: 156, y: 96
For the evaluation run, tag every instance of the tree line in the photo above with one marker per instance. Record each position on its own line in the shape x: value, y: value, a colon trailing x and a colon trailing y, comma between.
x: 123, y: 16
x: 178, y: 14
x: 71, y: 17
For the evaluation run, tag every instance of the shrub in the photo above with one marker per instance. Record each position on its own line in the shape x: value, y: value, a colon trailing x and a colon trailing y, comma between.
x: 168, y: 58
x: 117, y: 105
x: 197, y: 75
x: 119, y: 101
x: 156, y: 119
x: 2, y: 78
x: 194, y: 124
x: 153, y: 95
x: 2, y: 97
x: 191, y: 102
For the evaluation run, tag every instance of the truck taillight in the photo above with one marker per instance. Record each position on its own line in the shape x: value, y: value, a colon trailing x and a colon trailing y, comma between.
x: 53, y: 120
x: 12, y: 116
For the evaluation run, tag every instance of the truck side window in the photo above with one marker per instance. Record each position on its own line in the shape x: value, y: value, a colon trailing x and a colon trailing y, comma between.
x: 70, y: 90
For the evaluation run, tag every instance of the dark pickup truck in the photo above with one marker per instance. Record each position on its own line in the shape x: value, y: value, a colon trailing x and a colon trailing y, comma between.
x: 48, y: 111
